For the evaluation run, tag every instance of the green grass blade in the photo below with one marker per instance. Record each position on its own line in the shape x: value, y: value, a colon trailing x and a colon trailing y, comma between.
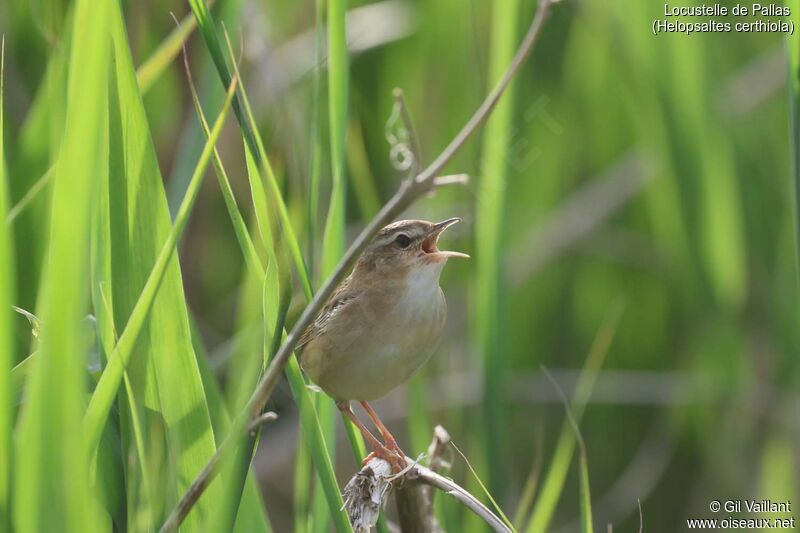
x: 295, y: 375
x: 360, y: 174
x: 314, y: 438
x: 35, y: 150
x: 146, y: 75
x: 235, y: 468
x: 254, y: 147
x: 793, y: 51
x: 334, y: 240
x: 321, y: 458
x: 333, y: 243
x: 252, y: 516
x: 51, y: 484
x: 303, y: 477
x: 327, y: 413
x: 720, y: 238
x: 526, y: 498
x: 251, y: 257
x: 316, y: 442
x: 260, y: 201
x: 484, y: 489
x: 6, y: 343
x: 109, y: 339
x: 585, y: 495
x: 275, y: 199
x: 212, y: 92
x: 19, y: 375
x: 306, y: 503
x: 209, y: 32
x: 30, y: 196
x: 315, y: 172
x: 356, y: 441
x: 106, y: 389
x: 163, y: 56
x: 489, y: 231
x: 106, y: 470
x: 585, y: 503
x: 553, y: 483
x: 146, y: 292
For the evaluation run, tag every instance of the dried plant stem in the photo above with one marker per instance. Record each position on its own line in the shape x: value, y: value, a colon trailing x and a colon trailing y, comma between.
x: 415, y: 508
x: 410, y: 191
x: 414, y: 500
x: 368, y: 489
x: 446, y: 485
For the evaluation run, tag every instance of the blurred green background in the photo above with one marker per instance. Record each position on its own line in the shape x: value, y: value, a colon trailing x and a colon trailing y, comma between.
x: 630, y: 186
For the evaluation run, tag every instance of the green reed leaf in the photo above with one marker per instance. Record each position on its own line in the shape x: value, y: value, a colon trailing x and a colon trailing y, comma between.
x: 51, y: 486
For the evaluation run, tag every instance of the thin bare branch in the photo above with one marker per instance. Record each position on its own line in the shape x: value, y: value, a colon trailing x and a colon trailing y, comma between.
x: 641, y: 519
x: 451, y: 179
x: 269, y: 416
x: 449, y: 487
x: 407, y: 194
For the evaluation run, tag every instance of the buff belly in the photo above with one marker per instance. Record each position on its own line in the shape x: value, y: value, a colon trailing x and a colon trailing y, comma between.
x: 370, y: 357
x: 372, y: 372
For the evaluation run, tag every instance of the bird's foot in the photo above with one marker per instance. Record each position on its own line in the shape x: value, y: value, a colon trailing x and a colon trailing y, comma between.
x: 395, y: 457
x: 392, y: 445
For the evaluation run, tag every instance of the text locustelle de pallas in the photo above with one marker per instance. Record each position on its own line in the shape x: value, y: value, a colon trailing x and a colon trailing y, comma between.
x: 718, y: 10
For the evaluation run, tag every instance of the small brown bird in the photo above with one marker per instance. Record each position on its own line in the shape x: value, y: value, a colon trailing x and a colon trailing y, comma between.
x: 382, y: 323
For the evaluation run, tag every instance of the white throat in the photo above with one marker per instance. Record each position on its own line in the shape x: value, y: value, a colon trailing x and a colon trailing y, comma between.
x: 422, y: 285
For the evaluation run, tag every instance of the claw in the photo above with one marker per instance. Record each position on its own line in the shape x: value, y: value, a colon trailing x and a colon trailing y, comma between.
x: 389, y: 452
x: 368, y: 458
x: 395, y: 457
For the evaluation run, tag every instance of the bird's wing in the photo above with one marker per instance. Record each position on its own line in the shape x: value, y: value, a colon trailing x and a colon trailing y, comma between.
x: 338, y: 301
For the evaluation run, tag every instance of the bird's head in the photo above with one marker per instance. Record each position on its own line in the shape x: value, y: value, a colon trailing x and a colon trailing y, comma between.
x: 408, y: 245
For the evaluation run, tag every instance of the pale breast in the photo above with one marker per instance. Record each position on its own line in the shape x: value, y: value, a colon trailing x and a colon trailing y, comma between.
x: 375, y: 343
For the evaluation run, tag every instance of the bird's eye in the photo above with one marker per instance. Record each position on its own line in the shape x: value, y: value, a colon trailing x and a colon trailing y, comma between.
x: 402, y: 240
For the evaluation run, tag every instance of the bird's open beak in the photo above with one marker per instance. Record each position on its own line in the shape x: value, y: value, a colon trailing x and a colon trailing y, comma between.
x: 429, y: 244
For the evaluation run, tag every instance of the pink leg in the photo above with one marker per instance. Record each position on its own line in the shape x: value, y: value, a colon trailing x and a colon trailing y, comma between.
x: 391, y: 443
x: 379, y: 450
